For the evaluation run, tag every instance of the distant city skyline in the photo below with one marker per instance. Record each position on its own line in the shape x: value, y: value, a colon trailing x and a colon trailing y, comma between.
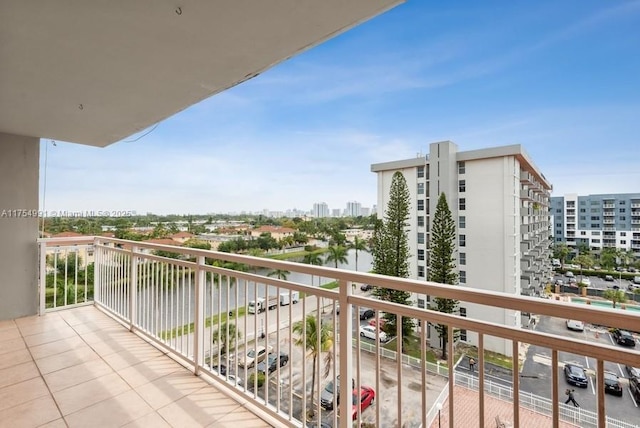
x: 481, y: 75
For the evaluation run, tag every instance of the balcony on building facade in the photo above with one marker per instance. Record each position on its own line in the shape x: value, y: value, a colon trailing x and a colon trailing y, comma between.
x: 635, y: 204
x: 608, y: 205
x: 183, y: 306
x: 609, y: 213
x: 635, y: 221
x: 526, y: 177
x: 609, y: 228
x: 608, y: 221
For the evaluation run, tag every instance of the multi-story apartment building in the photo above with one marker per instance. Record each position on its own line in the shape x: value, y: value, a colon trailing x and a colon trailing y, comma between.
x: 599, y: 221
x: 500, y: 202
x: 320, y: 210
x: 353, y: 209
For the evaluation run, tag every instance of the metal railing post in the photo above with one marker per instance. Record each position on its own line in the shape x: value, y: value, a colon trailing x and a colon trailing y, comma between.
x: 346, y: 350
x: 97, y: 269
x: 133, y: 289
x: 198, y: 324
x: 42, y: 283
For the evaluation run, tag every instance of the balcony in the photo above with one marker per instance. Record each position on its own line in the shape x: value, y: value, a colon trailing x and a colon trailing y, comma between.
x: 608, y: 205
x: 141, y: 336
x: 609, y: 213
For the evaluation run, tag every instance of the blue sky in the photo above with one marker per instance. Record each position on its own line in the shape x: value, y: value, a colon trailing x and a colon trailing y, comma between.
x: 560, y: 78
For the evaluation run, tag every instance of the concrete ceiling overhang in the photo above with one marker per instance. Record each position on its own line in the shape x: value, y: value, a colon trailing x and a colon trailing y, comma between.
x: 96, y: 71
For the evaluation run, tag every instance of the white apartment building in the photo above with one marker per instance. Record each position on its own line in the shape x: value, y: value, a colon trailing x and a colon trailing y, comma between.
x: 500, y: 202
x: 320, y: 210
x: 353, y: 209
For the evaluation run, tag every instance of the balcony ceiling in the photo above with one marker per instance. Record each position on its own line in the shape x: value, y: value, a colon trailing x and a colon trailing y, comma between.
x: 95, y: 72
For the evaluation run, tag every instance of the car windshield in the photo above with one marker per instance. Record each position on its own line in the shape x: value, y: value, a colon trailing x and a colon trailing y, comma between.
x: 329, y: 387
x: 610, y: 376
x: 251, y: 353
x: 625, y: 334
x: 577, y: 371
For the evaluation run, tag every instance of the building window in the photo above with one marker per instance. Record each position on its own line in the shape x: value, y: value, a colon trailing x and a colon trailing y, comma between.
x: 623, y: 242
x: 462, y: 204
x: 558, y: 210
x: 462, y: 222
x: 461, y: 168
x: 420, y: 188
x: 595, y: 241
x: 463, y: 241
x: 583, y: 210
x: 420, y: 221
x: 462, y: 186
x: 420, y: 271
x: 463, y: 332
x: 420, y: 172
x: 420, y: 204
x: 622, y: 218
x: 621, y: 210
x: 420, y: 254
x: 582, y: 232
x: 623, y: 233
x: 420, y: 238
x: 623, y: 202
x: 463, y: 259
x: 595, y: 225
x: 422, y: 303
x: 596, y: 233
x: 463, y: 277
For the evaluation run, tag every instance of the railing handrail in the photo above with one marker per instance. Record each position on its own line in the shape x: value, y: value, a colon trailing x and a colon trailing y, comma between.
x: 594, y: 315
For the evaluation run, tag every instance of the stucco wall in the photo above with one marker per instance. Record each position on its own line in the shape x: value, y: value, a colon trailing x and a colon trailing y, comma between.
x: 19, y: 169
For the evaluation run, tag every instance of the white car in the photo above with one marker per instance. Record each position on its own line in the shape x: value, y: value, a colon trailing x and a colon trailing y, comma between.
x: 569, y: 274
x: 586, y: 281
x: 575, y: 325
x: 370, y: 333
x: 254, y: 356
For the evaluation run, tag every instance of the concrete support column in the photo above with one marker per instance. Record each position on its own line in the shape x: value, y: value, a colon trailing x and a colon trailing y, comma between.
x: 19, y: 186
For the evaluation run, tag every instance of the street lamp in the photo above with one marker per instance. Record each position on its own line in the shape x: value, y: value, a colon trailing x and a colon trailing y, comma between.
x: 439, y: 407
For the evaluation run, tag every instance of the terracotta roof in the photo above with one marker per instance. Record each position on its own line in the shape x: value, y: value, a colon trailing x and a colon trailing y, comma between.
x: 182, y: 235
x: 274, y: 229
x: 67, y: 235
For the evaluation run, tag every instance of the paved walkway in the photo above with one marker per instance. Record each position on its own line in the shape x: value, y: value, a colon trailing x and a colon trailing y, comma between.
x: 467, y: 413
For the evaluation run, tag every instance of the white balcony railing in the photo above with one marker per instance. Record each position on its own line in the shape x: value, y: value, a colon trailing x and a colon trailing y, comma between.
x: 196, y: 306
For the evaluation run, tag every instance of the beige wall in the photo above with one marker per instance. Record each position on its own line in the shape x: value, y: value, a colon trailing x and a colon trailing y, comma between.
x: 19, y: 169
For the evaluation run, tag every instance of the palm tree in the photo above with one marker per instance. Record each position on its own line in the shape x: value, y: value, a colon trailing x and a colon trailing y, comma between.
x: 616, y: 296
x: 337, y: 254
x: 315, y: 339
x: 312, y: 259
x: 227, y: 335
x: 279, y: 273
x: 358, y: 245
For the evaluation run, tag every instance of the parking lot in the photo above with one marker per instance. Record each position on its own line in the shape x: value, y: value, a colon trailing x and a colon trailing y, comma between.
x: 536, y: 372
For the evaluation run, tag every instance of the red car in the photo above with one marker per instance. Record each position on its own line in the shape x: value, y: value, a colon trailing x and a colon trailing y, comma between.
x: 367, y: 395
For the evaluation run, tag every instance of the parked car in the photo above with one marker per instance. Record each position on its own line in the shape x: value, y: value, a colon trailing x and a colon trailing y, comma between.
x: 634, y: 388
x: 609, y: 278
x: 569, y: 274
x: 326, y: 396
x: 370, y: 333
x: 623, y: 337
x: 362, y: 400
x: 366, y: 287
x: 559, y: 282
x: 374, y: 322
x: 575, y: 375
x: 573, y: 281
x: 636, y: 279
x: 612, y: 384
x: 272, y: 362
x: 586, y: 281
x: 366, y: 313
x: 632, y: 371
x: 575, y: 325
x: 220, y: 369
x: 254, y: 356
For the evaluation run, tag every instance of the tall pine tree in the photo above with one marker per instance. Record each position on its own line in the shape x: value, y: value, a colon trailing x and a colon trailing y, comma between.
x: 390, y: 249
x: 442, y: 267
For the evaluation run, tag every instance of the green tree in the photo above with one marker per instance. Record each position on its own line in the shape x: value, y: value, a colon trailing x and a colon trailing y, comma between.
x: 584, y: 261
x: 616, y: 296
x: 561, y: 252
x: 280, y: 274
x: 391, y: 253
x: 608, y: 258
x: 312, y: 259
x: 625, y: 256
x: 583, y: 248
x: 358, y: 245
x: 316, y: 339
x: 337, y: 254
x: 442, y: 263
x: 226, y: 335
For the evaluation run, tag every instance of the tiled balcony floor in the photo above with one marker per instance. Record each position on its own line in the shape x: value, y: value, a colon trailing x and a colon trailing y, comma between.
x: 80, y: 368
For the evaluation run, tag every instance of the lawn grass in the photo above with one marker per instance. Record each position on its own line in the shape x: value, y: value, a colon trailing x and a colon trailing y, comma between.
x: 499, y: 360
x: 412, y: 348
x: 208, y: 322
